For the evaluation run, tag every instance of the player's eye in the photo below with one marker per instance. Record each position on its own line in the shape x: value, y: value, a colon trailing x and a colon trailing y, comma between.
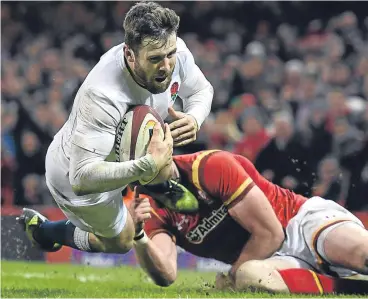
x: 155, y: 59
x: 170, y: 55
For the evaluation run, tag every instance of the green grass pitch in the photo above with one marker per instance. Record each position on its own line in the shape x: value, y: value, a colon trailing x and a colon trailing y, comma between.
x: 39, y: 280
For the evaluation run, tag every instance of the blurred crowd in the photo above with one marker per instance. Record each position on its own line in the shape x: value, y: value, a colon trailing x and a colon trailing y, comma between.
x: 290, y: 80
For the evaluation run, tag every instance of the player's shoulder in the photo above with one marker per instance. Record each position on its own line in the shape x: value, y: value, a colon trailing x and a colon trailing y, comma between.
x: 183, y: 54
x: 181, y: 46
x: 106, y: 78
x: 216, y: 157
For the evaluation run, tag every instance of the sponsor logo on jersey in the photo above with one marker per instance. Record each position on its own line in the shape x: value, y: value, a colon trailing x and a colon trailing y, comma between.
x: 206, y: 225
x: 174, y: 91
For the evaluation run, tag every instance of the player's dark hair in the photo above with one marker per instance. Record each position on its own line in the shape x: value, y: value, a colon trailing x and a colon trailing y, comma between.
x: 149, y: 20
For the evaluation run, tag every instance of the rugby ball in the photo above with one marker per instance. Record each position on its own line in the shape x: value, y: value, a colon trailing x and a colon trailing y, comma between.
x: 134, y: 132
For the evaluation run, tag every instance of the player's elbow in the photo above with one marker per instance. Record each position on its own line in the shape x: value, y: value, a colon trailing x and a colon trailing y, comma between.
x: 277, y: 237
x: 166, y: 281
x: 78, y: 183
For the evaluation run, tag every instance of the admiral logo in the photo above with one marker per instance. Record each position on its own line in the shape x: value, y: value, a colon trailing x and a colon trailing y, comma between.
x: 119, y: 135
x: 197, y: 235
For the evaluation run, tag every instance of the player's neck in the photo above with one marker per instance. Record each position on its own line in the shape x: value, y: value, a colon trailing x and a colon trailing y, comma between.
x: 131, y: 72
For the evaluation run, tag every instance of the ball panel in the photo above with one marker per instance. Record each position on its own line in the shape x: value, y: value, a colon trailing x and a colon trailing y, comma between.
x: 133, y: 132
x: 144, y: 135
x: 123, y: 138
x: 139, y: 114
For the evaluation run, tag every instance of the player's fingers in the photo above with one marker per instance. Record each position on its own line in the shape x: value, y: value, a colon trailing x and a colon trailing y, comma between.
x: 173, y: 113
x: 144, y: 205
x: 189, y: 127
x: 185, y: 142
x: 146, y: 216
x: 185, y: 136
x: 178, y: 123
x: 144, y: 210
x: 168, y: 136
x: 156, y: 131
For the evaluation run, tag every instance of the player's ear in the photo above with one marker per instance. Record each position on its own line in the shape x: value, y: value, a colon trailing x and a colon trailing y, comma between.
x: 129, y: 54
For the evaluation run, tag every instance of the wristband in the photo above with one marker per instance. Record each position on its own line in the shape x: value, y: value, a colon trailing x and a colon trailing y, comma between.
x: 141, y: 238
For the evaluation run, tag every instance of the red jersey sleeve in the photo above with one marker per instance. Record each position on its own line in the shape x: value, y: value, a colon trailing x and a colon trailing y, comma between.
x: 220, y: 175
x: 160, y: 222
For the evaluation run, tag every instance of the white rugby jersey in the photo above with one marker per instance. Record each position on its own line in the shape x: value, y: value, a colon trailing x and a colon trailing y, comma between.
x: 87, y: 138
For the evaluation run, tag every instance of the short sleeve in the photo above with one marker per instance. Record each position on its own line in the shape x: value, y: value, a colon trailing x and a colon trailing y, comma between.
x: 222, y: 176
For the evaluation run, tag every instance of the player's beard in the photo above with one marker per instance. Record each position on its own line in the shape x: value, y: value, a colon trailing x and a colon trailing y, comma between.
x: 151, y: 84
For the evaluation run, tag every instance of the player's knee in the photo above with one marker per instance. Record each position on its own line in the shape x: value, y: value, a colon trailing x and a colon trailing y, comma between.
x: 259, y: 276
x: 248, y: 275
x: 359, y: 253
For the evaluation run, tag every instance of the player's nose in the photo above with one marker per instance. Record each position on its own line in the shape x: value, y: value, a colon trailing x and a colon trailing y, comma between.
x: 165, y: 65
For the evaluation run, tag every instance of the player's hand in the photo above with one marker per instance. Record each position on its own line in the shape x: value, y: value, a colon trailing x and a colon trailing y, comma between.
x: 184, y: 128
x: 224, y: 282
x: 161, y: 149
x: 140, y: 210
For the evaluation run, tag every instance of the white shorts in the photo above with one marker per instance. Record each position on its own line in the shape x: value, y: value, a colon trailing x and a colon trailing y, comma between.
x: 306, y: 232
x: 103, y: 214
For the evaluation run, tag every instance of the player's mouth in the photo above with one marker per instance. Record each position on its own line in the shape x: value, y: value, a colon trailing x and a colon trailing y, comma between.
x: 161, y: 79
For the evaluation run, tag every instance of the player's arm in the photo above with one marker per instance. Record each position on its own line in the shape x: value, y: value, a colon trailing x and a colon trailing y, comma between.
x: 197, y: 95
x: 247, y: 205
x: 158, y: 257
x: 92, y: 142
x: 195, y: 90
x: 157, y: 253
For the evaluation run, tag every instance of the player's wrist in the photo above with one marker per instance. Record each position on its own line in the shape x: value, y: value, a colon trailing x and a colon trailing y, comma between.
x: 150, y: 175
x: 195, y: 122
x: 140, y: 238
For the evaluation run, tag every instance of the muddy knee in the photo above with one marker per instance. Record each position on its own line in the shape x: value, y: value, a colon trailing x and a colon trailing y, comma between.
x: 259, y: 275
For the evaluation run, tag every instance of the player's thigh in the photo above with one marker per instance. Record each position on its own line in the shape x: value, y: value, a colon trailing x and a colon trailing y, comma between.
x: 264, y: 275
x: 104, y: 216
x: 345, y: 243
x: 323, y: 218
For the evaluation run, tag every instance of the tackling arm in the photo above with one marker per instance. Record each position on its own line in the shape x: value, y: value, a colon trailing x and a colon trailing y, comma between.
x: 158, y: 257
x: 255, y: 214
x: 246, y: 203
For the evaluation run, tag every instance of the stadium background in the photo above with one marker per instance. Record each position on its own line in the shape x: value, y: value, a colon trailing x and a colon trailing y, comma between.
x: 291, y: 91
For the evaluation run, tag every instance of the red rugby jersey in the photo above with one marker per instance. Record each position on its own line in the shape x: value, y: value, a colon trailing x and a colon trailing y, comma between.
x: 219, y: 180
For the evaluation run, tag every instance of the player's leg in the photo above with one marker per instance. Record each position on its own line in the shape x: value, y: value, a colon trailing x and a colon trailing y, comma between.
x: 337, y: 240
x: 264, y: 275
x: 345, y: 245
x: 103, y: 227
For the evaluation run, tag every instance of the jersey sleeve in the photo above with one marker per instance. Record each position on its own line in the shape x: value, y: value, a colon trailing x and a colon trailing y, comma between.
x: 96, y: 122
x: 223, y: 177
x: 160, y: 222
x: 195, y: 91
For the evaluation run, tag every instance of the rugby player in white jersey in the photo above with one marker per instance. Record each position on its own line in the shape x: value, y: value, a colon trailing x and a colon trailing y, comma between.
x: 152, y: 67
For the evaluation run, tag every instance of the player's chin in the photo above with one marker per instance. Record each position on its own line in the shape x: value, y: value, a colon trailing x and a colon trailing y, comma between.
x: 159, y: 86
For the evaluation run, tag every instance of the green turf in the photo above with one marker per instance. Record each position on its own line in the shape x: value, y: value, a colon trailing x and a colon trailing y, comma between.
x: 37, y: 280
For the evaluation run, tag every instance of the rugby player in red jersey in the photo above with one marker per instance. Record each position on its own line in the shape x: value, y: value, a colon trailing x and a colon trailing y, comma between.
x: 246, y: 221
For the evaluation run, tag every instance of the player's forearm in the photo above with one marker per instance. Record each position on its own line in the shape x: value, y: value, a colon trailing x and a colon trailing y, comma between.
x: 155, y: 263
x: 257, y: 248
x: 199, y: 104
x: 101, y: 176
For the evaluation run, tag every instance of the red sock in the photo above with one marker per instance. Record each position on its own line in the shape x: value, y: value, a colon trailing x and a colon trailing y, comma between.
x: 303, y: 281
